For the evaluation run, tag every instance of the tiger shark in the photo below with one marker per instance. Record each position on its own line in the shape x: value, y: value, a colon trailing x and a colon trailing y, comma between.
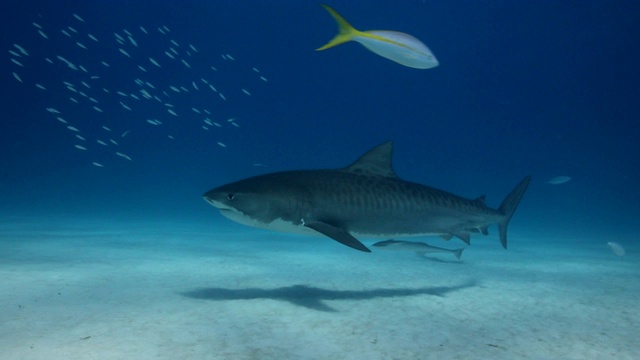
x: 365, y: 199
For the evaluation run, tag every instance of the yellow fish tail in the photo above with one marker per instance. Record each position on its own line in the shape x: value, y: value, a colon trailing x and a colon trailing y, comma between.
x: 346, y: 32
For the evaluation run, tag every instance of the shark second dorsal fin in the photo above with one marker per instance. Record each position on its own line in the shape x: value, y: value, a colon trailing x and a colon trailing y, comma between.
x: 375, y: 162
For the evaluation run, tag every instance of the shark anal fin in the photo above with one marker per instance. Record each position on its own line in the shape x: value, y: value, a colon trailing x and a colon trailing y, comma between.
x: 446, y: 237
x: 340, y: 235
x: 464, y: 236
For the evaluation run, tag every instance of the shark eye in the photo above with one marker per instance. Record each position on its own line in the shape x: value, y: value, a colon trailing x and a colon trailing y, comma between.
x: 230, y: 196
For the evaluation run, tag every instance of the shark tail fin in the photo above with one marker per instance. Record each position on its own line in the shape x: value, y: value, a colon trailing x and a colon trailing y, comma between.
x: 345, y: 31
x: 508, y: 207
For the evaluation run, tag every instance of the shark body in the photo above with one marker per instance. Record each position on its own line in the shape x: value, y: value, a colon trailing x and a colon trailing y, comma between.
x: 365, y: 199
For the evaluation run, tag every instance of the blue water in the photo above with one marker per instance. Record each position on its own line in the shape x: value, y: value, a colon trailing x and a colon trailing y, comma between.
x: 541, y: 88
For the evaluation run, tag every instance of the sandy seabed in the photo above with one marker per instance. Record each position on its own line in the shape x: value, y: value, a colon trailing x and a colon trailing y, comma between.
x: 75, y: 289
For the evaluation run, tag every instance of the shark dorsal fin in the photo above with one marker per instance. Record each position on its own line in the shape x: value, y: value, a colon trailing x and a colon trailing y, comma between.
x: 481, y: 200
x: 375, y: 162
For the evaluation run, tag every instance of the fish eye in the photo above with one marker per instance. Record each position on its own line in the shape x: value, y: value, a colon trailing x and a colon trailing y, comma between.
x: 230, y: 196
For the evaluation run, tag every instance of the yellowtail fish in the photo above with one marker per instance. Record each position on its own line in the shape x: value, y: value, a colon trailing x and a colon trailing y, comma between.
x: 396, y: 46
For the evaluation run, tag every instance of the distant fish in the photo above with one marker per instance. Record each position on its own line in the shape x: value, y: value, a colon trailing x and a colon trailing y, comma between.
x: 97, y: 164
x: 124, y: 156
x: 559, y: 180
x: 21, y: 49
x: 395, y: 46
x: 78, y: 17
x: 419, y: 247
x: 616, y: 248
x: 16, y: 62
x: 124, y: 52
x: 133, y: 41
x: 154, y: 62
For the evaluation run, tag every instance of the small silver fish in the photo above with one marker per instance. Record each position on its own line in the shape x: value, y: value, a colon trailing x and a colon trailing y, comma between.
x: 616, y: 248
x: 419, y: 247
x: 559, y: 180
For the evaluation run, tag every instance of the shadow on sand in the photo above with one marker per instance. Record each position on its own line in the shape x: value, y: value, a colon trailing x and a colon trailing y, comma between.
x: 312, y: 297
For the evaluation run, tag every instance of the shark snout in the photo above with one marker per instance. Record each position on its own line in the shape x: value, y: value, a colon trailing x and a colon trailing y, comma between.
x: 216, y: 199
x: 209, y: 197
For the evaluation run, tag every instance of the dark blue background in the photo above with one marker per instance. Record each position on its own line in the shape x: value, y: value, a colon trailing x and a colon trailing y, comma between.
x: 524, y: 87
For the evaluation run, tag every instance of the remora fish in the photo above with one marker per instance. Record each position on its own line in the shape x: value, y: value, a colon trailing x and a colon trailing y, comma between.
x: 419, y: 247
x: 364, y: 199
x: 393, y: 45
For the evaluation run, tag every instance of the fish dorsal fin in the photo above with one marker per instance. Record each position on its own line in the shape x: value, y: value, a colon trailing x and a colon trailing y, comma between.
x: 375, y: 162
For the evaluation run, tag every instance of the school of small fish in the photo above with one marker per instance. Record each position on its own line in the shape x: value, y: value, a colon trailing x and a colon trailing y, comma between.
x: 88, y: 57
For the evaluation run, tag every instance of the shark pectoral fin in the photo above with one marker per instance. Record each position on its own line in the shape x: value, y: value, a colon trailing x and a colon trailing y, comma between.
x: 340, y: 235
